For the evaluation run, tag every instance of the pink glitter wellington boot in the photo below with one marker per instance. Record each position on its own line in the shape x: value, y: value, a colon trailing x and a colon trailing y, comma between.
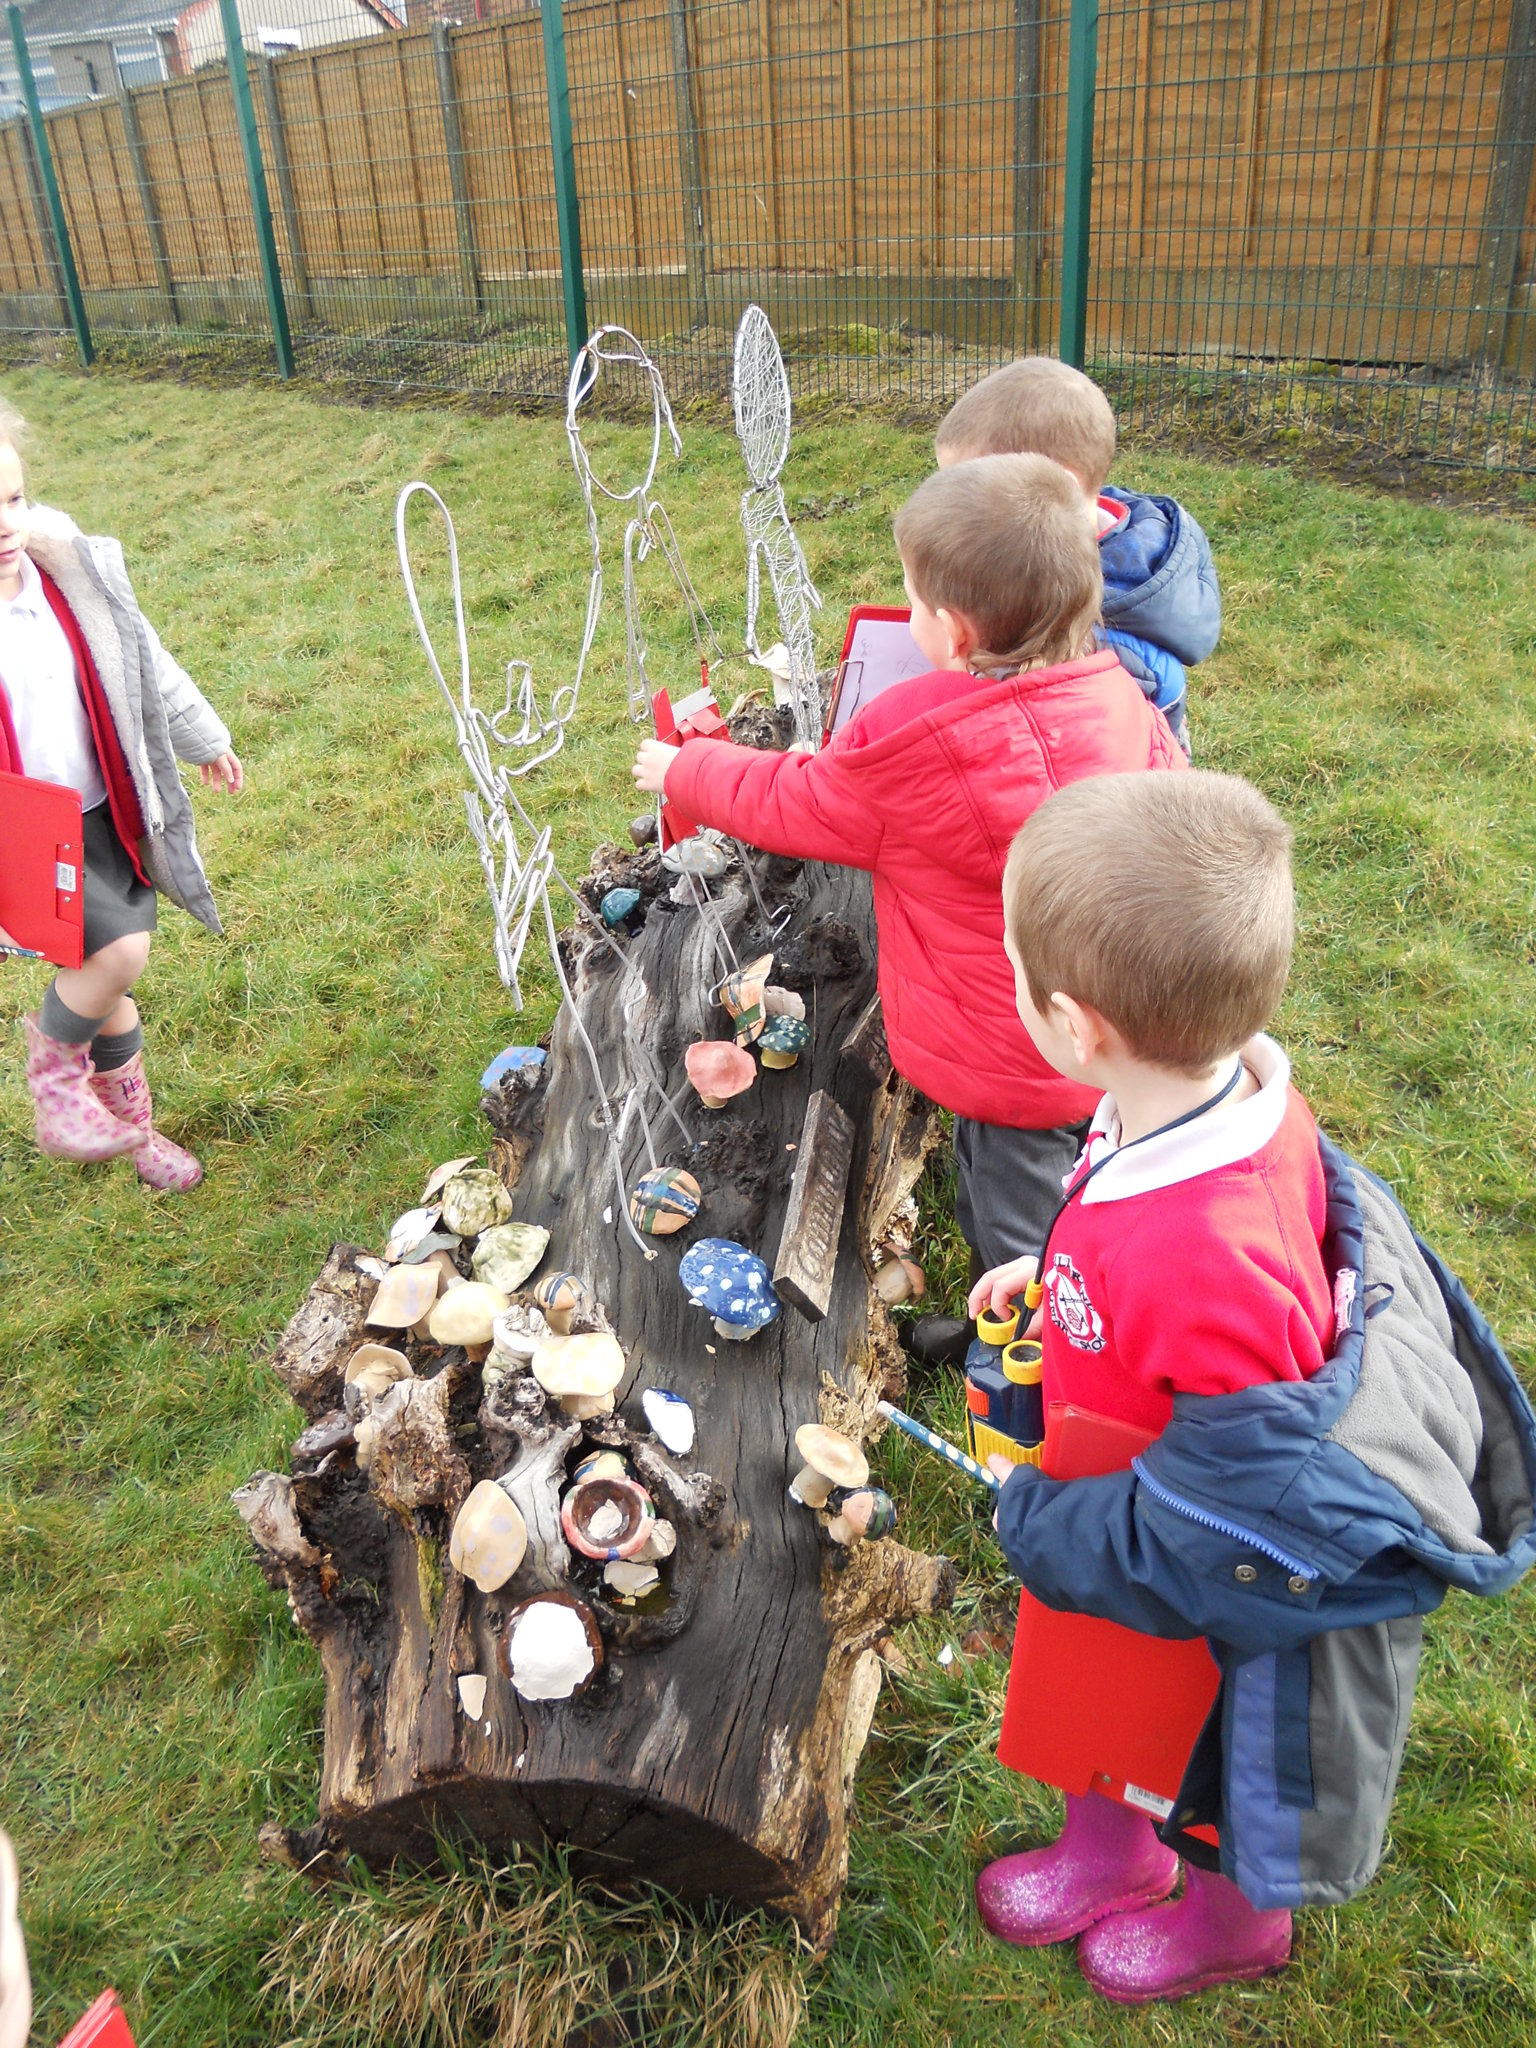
x: 1105, y: 1860
x: 1209, y: 1936
x: 72, y: 1122
x: 125, y: 1092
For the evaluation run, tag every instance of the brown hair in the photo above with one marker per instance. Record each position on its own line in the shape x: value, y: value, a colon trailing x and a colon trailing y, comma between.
x: 1006, y: 543
x: 1036, y: 406
x: 1161, y: 900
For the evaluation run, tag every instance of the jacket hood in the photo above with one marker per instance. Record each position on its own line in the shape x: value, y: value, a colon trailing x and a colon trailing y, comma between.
x: 989, y: 736
x: 1415, y: 1437
x: 1159, y: 578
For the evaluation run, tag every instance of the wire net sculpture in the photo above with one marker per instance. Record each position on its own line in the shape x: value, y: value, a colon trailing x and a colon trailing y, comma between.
x: 516, y: 858
x: 760, y: 402
x: 615, y: 351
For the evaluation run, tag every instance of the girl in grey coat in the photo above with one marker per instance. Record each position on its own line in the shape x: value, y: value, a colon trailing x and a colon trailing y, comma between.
x: 89, y: 698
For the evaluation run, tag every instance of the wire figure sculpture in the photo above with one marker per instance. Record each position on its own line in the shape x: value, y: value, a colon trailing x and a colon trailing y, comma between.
x: 616, y: 349
x: 760, y: 402
x: 518, y: 871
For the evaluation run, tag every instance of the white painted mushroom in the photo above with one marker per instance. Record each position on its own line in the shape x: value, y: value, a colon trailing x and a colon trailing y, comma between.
x: 581, y: 1370
x: 831, y: 1459
x: 490, y: 1537
x: 407, y: 1231
x: 372, y: 1368
x: 630, y: 1579
x: 660, y: 1542
x: 516, y: 1334
x: 467, y: 1315
x: 472, y: 1694
x: 670, y: 1418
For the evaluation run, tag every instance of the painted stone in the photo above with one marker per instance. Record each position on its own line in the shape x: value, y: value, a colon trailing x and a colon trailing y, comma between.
x: 741, y: 997
x: 703, y: 855
x: 732, y: 1284
x: 508, y: 1252
x: 663, y: 1200
x: 670, y: 1418
x: 516, y: 1059
x: 475, y: 1200
x: 618, y: 907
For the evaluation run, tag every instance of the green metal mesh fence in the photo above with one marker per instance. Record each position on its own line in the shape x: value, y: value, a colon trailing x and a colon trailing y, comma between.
x: 1306, y: 216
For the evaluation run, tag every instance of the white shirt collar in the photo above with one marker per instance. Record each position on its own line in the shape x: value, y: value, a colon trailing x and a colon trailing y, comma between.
x: 1224, y: 1135
x: 30, y: 598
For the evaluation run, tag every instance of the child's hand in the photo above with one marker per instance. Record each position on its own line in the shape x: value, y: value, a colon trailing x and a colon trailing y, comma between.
x: 995, y: 1290
x: 1000, y: 1468
x: 226, y: 772
x: 651, y: 764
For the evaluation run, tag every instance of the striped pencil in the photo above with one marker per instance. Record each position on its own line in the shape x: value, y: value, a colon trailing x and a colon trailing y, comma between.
x: 932, y: 1441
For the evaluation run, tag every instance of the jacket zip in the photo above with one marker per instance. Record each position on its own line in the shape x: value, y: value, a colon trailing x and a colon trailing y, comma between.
x: 1298, y: 1567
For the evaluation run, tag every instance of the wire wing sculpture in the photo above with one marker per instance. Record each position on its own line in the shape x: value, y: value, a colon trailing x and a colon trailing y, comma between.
x: 761, y: 404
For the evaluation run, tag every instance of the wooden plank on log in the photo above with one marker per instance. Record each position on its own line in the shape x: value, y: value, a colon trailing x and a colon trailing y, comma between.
x: 813, y: 1222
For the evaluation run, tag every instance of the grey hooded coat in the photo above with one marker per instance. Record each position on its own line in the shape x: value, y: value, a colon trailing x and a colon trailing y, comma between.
x: 160, y: 714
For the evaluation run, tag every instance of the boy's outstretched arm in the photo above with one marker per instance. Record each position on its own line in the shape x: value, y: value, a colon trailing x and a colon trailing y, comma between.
x: 807, y: 806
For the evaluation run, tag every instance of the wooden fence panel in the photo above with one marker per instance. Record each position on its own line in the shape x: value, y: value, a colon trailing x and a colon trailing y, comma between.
x: 24, y: 258
x: 504, y: 120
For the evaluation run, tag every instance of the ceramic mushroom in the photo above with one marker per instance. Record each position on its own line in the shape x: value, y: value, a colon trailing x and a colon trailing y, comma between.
x: 404, y: 1297
x: 582, y: 1371
x: 508, y: 1252
x: 671, y: 1419
x: 559, y: 1296
x: 370, y: 1370
x: 783, y: 1041
x: 859, y: 1514
x: 898, y: 1280
x: 741, y: 997
x: 475, y: 1200
x: 830, y: 1460
x: 490, y: 1537
x: 664, y: 1200
x: 784, y: 1002
x: 732, y: 1283
x: 718, y: 1070
x: 467, y: 1315
x: 701, y: 854
x: 407, y: 1231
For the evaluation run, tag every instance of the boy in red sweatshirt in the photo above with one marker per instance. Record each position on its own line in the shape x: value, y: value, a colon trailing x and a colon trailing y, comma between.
x: 926, y: 788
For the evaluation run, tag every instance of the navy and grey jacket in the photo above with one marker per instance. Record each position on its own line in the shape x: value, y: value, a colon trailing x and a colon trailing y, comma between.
x: 1162, y: 602
x: 1304, y: 1528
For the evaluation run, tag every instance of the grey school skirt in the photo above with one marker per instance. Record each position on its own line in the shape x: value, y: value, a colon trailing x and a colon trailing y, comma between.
x: 116, y: 901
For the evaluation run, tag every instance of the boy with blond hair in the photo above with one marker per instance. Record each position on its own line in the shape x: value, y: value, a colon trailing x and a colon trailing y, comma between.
x: 1162, y: 603
x: 1336, y: 1435
x: 925, y: 789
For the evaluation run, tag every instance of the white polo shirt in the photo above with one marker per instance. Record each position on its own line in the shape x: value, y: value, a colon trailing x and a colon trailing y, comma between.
x: 37, y: 667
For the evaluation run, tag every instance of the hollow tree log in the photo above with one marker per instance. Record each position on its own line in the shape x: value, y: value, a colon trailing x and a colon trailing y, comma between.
x: 714, y: 1751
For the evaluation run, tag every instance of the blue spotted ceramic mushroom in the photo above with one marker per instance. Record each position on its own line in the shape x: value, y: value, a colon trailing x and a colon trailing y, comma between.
x: 732, y: 1284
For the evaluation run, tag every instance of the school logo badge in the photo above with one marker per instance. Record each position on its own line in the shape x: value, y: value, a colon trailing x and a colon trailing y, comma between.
x: 1071, y: 1310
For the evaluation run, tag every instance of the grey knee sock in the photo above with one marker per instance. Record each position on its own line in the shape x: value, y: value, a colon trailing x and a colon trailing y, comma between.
x: 111, y: 1049
x: 57, y: 1020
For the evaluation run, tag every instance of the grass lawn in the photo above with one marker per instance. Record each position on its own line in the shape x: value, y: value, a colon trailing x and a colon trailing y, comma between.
x: 1375, y: 677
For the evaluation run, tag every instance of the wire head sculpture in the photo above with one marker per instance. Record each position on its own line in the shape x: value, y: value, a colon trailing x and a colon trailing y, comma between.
x: 615, y: 350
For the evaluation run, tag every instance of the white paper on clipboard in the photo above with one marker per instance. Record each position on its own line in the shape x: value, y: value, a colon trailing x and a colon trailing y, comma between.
x: 880, y: 652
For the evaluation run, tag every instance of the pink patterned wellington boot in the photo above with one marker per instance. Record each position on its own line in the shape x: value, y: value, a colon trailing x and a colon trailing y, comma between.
x: 1105, y: 1860
x: 125, y: 1092
x: 72, y: 1122
x: 1210, y: 1936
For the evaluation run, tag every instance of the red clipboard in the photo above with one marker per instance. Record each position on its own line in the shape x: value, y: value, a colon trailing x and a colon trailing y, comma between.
x: 1093, y: 1707
x: 103, y: 2026
x: 42, y: 867
x: 878, y: 652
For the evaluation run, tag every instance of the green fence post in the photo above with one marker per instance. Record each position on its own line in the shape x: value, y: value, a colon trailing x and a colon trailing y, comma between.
x: 60, y: 226
x: 567, y: 212
x: 256, y: 178
x: 1077, y: 213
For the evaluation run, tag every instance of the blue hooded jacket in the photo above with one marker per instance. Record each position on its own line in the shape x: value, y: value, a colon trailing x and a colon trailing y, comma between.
x: 1162, y: 602
x: 1304, y: 1528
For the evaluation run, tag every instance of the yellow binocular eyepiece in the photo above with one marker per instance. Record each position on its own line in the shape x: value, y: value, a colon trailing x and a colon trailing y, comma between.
x: 1022, y: 1363
x: 998, y: 1330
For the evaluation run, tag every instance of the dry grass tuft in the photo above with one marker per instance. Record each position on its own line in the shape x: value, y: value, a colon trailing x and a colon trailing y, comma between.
x: 517, y: 1956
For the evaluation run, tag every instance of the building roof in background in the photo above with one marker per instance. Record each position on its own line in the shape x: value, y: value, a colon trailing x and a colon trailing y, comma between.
x: 54, y: 21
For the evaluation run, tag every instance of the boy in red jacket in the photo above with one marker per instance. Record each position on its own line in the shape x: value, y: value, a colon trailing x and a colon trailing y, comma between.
x: 926, y: 788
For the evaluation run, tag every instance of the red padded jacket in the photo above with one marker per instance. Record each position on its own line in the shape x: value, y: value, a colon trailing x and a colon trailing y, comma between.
x: 925, y: 789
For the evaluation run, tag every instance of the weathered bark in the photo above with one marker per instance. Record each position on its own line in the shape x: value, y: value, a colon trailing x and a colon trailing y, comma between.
x: 714, y: 1753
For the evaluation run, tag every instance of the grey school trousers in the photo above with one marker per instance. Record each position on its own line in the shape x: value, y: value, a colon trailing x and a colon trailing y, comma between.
x: 1009, y: 1184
